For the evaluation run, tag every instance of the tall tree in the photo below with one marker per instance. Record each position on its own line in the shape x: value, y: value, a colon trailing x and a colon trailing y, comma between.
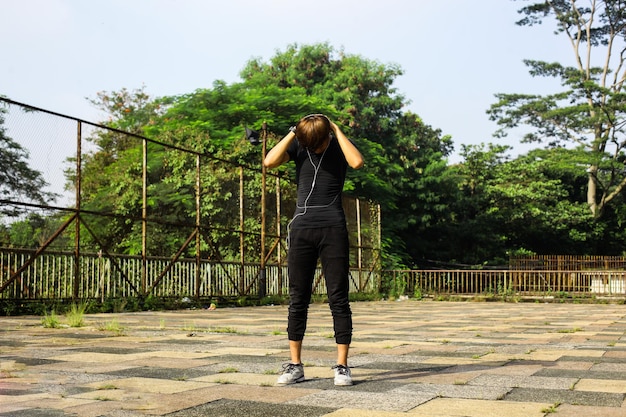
x: 590, y: 111
x: 530, y: 204
x: 404, y: 156
x: 112, y: 180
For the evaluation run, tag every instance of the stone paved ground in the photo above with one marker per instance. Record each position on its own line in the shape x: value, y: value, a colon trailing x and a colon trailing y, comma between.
x: 416, y: 358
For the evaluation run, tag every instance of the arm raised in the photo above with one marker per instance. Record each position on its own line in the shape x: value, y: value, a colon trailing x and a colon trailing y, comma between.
x: 351, y: 153
x: 278, y: 154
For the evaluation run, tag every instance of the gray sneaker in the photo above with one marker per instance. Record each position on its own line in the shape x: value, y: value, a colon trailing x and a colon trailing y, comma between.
x: 343, y: 376
x: 292, y: 373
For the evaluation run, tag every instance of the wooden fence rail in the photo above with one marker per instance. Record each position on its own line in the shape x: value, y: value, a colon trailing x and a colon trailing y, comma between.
x: 507, y: 282
x: 51, y: 277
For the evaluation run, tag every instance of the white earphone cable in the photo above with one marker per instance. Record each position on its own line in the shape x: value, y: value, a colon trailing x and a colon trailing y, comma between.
x: 305, y: 208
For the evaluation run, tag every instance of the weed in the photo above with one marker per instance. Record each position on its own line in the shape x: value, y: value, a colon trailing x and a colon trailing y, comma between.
x: 50, y: 321
x: 574, y: 330
x: 189, y: 327
x: 112, y: 326
x: 223, y: 381
x: 551, y: 409
x: 119, y: 305
x: 229, y: 371
x: 417, y: 294
x: 76, y: 315
x: 223, y: 330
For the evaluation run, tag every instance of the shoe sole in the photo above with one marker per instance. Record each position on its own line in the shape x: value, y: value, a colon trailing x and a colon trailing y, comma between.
x: 301, y: 379
x: 343, y: 384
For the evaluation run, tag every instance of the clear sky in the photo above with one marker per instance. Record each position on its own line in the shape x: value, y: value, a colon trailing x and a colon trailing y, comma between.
x: 456, y: 54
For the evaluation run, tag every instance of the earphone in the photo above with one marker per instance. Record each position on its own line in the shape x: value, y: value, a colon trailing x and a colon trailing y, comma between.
x: 316, y: 169
x: 305, y: 208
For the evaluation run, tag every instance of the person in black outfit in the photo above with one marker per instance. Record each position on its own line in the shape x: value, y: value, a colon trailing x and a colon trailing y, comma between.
x: 317, y: 231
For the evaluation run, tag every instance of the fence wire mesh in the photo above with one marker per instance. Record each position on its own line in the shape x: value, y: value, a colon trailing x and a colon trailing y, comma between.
x: 208, y: 242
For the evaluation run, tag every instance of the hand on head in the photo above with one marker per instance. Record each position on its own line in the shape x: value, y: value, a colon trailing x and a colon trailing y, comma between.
x: 313, y: 131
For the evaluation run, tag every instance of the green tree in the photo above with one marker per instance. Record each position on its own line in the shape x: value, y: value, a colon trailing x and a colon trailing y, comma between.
x: 590, y: 111
x: 33, y: 231
x: 112, y: 178
x: 424, y: 188
x: 533, y: 200
x: 112, y: 174
x: 405, y: 158
x: 357, y: 92
x: 530, y: 204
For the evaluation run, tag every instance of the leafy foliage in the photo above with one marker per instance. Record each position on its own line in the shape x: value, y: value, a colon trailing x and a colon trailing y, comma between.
x: 356, y: 92
x: 475, y: 214
x: 528, y: 205
x: 590, y: 112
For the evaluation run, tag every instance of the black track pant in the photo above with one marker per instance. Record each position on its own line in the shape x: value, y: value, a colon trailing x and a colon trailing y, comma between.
x: 330, y: 245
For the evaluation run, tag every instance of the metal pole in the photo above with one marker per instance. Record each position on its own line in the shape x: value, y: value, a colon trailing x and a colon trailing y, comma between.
x: 198, y: 220
x: 357, y: 203
x: 242, y: 257
x: 79, y: 135
x: 279, y: 253
x: 262, y: 277
x: 144, y: 219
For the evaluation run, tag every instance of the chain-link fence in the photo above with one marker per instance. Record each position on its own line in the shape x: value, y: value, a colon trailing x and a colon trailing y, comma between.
x: 195, y: 224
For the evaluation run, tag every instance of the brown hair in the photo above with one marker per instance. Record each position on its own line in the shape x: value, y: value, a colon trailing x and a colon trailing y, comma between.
x: 313, y: 130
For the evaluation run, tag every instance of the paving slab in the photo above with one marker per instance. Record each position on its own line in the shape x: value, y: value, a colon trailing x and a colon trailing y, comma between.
x: 567, y: 410
x: 447, y: 407
x: 428, y: 358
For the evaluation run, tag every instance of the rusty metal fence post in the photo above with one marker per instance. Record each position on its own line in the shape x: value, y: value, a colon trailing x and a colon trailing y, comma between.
x: 148, y: 274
